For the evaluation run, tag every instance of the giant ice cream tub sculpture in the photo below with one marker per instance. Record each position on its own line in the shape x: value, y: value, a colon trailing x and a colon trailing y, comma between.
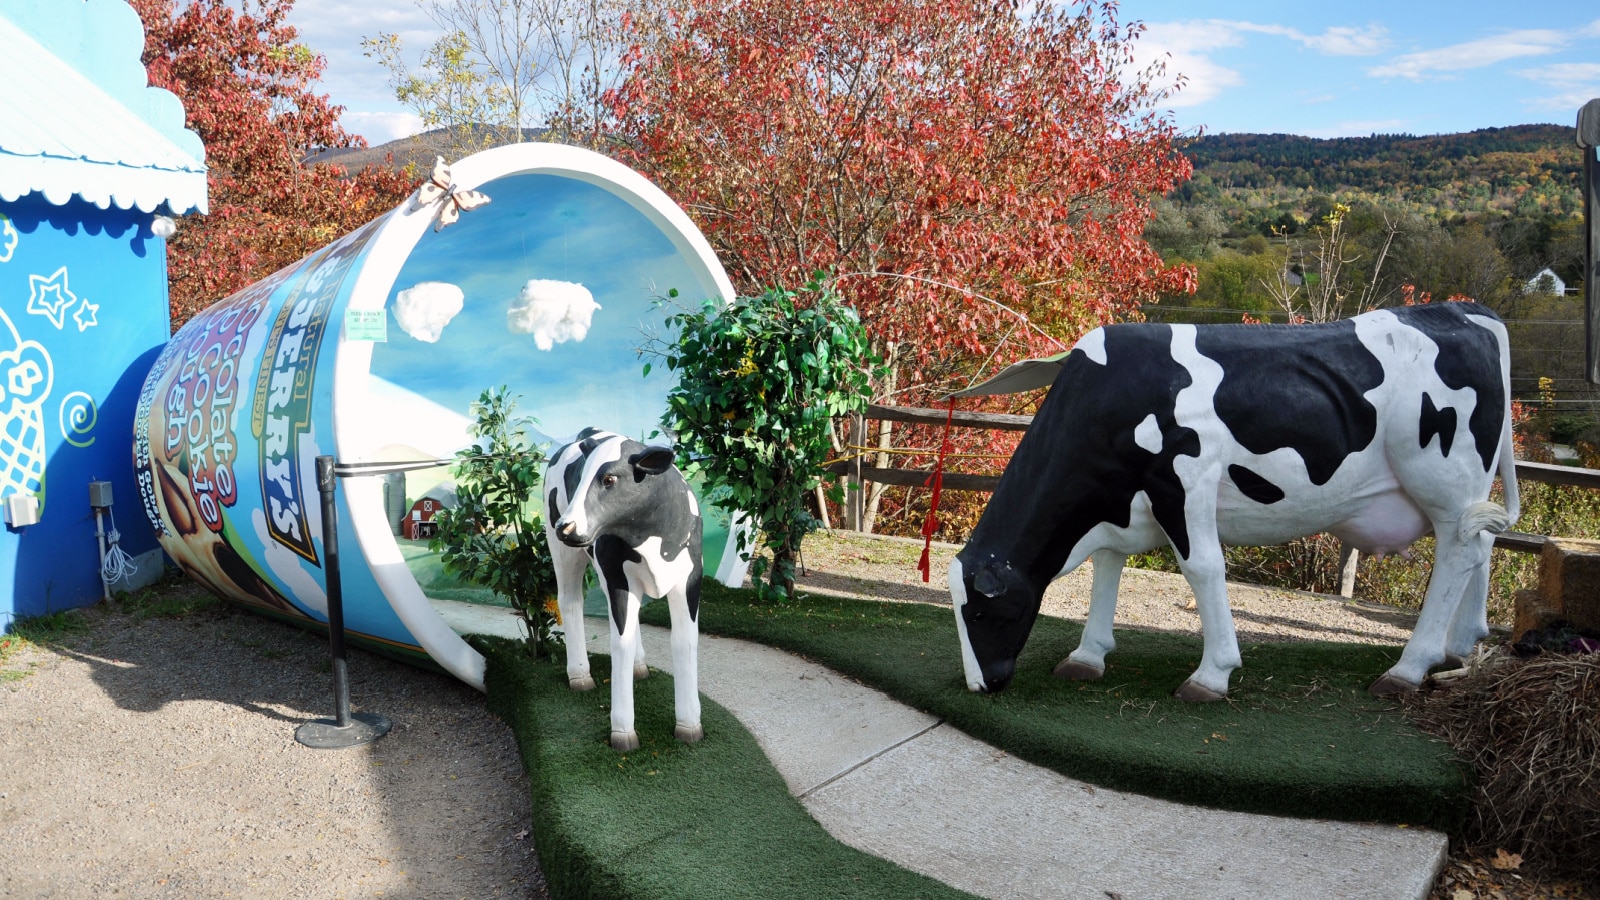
x: 550, y: 288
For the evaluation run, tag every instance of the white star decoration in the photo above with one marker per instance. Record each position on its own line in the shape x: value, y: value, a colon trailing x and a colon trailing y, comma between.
x: 85, y: 315
x: 50, y: 296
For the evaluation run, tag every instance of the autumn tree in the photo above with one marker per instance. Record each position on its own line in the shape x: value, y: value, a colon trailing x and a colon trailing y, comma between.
x: 502, y: 66
x: 976, y: 175
x: 1316, y: 283
x: 248, y: 89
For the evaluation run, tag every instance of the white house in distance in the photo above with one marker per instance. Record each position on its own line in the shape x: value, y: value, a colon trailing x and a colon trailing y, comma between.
x: 1545, y: 281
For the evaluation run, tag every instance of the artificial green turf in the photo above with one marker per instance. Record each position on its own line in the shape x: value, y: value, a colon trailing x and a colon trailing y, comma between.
x: 669, y: 820
x: 1297, y: 736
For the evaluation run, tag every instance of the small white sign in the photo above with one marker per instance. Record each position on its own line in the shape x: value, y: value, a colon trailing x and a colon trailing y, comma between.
x: 366, y: 325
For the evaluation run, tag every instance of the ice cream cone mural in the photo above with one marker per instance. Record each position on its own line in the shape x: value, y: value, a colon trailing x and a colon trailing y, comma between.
x: 26, y: 375
x: 534, y: 266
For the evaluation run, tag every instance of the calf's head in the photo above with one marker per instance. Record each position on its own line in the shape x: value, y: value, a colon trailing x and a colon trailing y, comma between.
x: 995, y: 607
x: 613, y: 492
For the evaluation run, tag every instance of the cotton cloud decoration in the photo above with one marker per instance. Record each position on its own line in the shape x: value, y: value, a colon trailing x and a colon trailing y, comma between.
x: 552, y: 311
x: 424, y: 309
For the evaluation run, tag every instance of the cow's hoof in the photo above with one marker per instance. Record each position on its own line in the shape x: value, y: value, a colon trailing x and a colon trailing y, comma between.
x: 1073, y: 670
x: 689, y: 734
x: 1192, y: 691
x: 1388, y: 686
x: 640, y: 671
x: 581, y: 683
x: 624, y: 741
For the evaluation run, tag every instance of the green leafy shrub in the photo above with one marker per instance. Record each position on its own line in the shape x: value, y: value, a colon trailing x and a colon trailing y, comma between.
x: 759, y: 383
x: 495, y: 536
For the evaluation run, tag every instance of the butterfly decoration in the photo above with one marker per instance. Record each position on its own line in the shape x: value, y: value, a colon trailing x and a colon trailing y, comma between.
x: 453, y: 200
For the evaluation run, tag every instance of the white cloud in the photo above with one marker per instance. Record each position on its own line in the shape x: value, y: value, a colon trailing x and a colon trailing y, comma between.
x: 335, y: 29
x: 1472, y: 54
x: 1338, y: 40
x: 1183, y: 46
x: 1570, y: 85
x: 1187, y: 47
x: 554, y: 312
x: 1344, y: 41
x: 424, y: 309
x: 381, y: 127
x: 1591, y: 30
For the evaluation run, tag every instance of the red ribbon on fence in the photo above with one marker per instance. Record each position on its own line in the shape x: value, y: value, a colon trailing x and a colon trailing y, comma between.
x: 936, y: 481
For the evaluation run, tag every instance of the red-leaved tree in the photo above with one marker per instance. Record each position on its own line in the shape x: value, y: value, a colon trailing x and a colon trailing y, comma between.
x: 944, y: 148
x: 961, y: 141
x: 247, y: 88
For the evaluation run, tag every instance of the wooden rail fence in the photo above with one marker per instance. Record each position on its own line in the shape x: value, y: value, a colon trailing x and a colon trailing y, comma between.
x: 858, y: 473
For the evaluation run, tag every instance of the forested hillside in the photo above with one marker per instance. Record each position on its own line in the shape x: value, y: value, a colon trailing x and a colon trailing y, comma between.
x: 1281, y: 226
x: 1526, y: 168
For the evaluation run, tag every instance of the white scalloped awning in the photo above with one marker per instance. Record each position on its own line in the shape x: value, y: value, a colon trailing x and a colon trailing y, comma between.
x: 62, y: 135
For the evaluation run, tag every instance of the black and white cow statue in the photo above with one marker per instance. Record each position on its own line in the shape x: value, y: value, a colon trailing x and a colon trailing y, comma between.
x: 1379, y: 429
x: 624, y: 507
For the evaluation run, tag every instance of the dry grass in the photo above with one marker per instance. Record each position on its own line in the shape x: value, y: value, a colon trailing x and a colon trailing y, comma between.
x: 1531, y: 729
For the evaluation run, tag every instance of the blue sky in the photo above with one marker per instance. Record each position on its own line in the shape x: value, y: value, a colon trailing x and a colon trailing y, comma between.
x: 1358, y: 67
x: 1352, y: 67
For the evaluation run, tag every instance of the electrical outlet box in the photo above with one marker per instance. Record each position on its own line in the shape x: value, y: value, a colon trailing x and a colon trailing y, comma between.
x: 22, y: 510
x: 100, y: 494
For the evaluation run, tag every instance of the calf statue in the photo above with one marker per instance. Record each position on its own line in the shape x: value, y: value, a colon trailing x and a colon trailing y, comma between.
x: 624, y: 507
x: 1379, y: 429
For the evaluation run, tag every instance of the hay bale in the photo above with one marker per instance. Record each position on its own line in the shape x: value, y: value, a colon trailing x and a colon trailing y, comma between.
x: 1531, y: 730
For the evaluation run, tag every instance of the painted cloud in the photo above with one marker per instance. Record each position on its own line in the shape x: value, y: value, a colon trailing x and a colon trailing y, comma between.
x: 424, y: 309
x: 552, y: 311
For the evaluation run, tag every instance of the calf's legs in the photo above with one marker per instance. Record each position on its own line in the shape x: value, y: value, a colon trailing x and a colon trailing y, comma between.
x: 685, y: 665
x: 627, y: 649
x: 625, y: 644
x: 570, y: 564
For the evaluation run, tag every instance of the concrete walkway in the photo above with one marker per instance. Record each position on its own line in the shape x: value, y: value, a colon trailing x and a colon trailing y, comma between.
x: 900, y: 784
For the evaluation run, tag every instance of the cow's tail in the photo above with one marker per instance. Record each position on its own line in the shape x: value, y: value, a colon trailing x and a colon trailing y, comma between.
x: 1508, y: 474
x: 1491, y: 516
x: 1485, y: 516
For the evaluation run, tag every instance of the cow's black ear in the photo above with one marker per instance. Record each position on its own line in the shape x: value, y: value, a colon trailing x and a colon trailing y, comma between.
x: 986, y: 583
x: 653, y: 461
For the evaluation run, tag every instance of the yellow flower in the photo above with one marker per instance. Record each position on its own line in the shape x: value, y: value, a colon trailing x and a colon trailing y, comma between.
x: 553, y: 608
x: 747, y: 366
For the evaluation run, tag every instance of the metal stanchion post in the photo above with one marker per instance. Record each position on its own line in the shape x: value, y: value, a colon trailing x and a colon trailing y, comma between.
x: 345, y: 730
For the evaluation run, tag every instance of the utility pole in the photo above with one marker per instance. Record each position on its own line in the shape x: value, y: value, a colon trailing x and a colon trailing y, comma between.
x: 1589, y: 140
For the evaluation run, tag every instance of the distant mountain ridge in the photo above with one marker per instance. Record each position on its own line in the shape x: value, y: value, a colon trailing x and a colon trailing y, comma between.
x: 1492, y: 162
x: 417, y: 150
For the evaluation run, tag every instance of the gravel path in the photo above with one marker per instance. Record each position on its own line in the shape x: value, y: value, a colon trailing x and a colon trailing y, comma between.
x: 886, y: 568
x: 156, y: 758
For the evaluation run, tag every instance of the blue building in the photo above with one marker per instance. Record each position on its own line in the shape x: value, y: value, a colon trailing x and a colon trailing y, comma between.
x: 93, y: 162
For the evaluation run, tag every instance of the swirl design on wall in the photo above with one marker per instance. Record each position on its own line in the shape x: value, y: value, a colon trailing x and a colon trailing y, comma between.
x: 78, y: 417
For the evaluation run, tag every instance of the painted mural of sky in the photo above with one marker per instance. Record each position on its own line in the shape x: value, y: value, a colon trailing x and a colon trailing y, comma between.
x: 1355, y: 67
x: 555, y: 229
